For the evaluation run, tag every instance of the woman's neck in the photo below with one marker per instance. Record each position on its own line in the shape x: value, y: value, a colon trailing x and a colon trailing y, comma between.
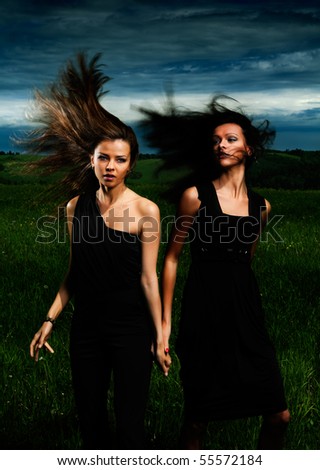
x: 232, y: 183
x: 111, y: 196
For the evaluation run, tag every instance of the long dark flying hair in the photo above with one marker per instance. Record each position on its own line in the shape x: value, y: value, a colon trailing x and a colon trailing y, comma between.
x: 71, y: 122
x: 184, y: 138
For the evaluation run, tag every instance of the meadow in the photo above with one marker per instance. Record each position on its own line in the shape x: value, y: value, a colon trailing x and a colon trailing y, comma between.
x: 37, y: 409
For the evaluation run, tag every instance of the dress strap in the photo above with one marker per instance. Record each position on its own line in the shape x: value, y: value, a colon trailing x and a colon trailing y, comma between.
x: 208, y: 197
x: 257, y: 204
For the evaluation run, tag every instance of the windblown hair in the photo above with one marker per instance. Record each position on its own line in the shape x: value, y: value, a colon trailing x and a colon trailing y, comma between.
x: 72, y: 122
x: 184, y: 139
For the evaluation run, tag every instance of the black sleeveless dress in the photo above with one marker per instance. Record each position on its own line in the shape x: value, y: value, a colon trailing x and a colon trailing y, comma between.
x: 228, y: 364
x: 105, y: 273
x: 111, y: 333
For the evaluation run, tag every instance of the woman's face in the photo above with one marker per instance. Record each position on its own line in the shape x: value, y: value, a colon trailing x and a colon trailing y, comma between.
x: 229, y: 145
x: 111, y: 162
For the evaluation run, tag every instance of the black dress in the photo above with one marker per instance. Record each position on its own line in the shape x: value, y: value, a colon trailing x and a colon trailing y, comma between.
x: 111, y: 332
x: 228, y: 364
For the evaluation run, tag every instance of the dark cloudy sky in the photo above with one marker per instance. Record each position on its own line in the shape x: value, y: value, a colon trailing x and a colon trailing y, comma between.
x: 264, y: 54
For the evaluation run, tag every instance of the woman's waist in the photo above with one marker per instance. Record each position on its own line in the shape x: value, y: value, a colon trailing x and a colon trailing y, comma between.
x: 112, y: 295
x: 222, y: 252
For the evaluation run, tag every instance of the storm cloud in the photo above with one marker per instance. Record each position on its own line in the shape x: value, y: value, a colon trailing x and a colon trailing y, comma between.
x: 264, y: 55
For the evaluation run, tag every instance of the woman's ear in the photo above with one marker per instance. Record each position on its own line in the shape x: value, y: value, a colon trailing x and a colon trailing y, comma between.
x: 249, y: 151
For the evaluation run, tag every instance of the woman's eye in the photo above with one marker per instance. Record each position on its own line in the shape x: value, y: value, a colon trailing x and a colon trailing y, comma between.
x: 216, y: 141
x: 121, y: 160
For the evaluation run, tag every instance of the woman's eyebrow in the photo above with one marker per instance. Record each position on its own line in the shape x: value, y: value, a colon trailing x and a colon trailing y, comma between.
x: 116, y: 156
x: 228, y: 134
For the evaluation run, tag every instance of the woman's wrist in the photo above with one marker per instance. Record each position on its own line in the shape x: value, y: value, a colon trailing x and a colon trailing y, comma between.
x: 51, y: 320
x: 159, y: 343
x: 161, y: 347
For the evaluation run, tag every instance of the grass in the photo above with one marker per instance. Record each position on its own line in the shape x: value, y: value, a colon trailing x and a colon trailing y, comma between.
x: 38, y: 410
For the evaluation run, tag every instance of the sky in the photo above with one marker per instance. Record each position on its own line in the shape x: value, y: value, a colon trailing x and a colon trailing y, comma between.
x: 266, y: 55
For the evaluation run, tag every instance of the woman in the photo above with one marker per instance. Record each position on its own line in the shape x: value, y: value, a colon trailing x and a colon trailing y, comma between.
x: 228, y: 364
x: 112, y: 276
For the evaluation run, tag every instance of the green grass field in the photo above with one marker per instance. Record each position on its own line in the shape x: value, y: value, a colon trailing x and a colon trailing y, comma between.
x: 37, y: 409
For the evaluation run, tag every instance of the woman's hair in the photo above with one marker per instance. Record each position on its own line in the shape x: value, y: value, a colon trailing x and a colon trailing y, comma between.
x: 72, y: 122
x: 258, y: 137
x: 184, y: 139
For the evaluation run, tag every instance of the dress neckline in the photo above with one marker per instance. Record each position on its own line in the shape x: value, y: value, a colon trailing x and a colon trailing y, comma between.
x: 96, y: 206
x: 220, y: 208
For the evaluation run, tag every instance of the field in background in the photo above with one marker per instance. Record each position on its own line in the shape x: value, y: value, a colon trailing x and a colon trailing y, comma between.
x: 37, y: 410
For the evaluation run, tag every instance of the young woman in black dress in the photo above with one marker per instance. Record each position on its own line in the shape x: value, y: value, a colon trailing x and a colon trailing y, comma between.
x: 112, y: 276
x: 228, y: 364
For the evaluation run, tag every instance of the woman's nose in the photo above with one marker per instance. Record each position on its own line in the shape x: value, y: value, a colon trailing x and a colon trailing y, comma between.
x: 109, y: 166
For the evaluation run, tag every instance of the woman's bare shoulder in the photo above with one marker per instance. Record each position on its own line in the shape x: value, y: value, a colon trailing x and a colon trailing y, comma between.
x: 71, y: 206
x: 190, y: 194
x: 189, y: 202
x: 147, y: 207
x: 268, y: 206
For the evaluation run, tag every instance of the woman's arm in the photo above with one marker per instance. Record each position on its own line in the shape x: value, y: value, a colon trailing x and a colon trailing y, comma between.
x: 150, y: 239
x: 62, y: 298
x: 264, y: 220
x: 188, y: 207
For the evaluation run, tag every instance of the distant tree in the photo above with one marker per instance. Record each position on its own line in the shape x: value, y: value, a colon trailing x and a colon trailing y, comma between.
x: 298, y: 152
x: 147, y: 156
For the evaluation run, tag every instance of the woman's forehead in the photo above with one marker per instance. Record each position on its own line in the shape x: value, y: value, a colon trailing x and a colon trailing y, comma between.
x: 229, y: 128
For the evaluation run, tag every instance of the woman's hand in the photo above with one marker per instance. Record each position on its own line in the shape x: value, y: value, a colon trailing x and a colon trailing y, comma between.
x: 163, y: 358
x: 40, y: 340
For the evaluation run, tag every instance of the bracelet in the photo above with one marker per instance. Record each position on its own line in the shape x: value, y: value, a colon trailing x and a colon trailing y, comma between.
x: 51, y: 320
